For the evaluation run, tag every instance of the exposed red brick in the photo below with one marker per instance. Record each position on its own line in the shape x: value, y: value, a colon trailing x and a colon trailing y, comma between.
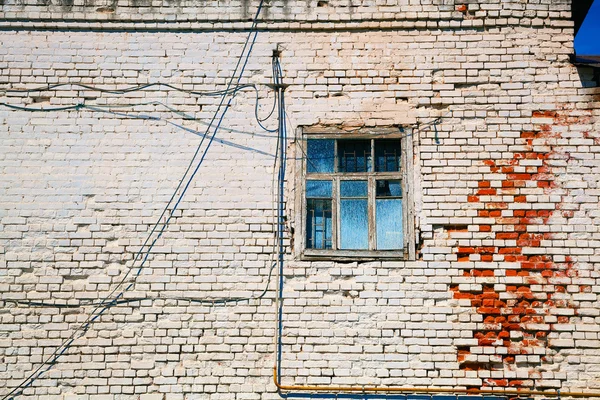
x: 486, y: 192
x: 521, y: 199
x: 525, y: 310
x: 544, y: 114
x: 507, y: 235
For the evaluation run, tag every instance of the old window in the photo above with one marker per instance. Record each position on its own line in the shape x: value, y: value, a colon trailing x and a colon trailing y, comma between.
x: 356, y: 197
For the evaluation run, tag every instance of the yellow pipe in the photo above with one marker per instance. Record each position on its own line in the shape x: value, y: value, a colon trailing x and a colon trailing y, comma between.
x: 396, y: 389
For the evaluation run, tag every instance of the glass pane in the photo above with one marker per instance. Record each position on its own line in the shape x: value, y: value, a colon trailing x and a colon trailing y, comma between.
x: 388, y: 189
x: 318, y: 189
x: 387, y: 155
x: 353, y: 224
x: 320, y: 154
x: 388, y: 215
x: 318, y: 224
x: 354, y: 155
x: 353, y: 188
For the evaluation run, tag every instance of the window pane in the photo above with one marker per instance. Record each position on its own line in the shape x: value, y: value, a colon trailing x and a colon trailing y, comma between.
x: 320, y: 154
x: 387, y: 155
x: 388, y: 214
x: 353, y: 224
x: 353, y: 188
x: 354, y: 155
x: 318, y: 189
x: 318, y: 224
x: 388, y: 189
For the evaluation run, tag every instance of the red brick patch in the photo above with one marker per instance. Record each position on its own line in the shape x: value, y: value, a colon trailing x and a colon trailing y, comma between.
x: 517, y: 318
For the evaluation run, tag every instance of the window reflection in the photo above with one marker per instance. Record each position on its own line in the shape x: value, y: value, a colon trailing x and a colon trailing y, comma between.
x: 388, y: 215
x: 354, y: 155
x: 318, y: 214
x: 387, y: 155
x: 354, y: 226
x: 320, y: 154
x: 358, y: 191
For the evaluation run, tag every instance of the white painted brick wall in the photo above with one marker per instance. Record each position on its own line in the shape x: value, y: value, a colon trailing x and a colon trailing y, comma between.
x: 80, y: 190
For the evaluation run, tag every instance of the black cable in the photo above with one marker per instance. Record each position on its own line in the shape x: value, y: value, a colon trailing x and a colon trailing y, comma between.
x: 128, y: 89
x: 221, y: 300
x: 37, y: 303
x: 97, y: 107
x: 275, y: 102
x: 22, y: 108
x: 179, y: 126
x: 105, y: 304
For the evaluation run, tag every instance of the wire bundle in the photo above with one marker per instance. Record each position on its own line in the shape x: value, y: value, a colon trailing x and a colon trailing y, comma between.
x: 116, y: 295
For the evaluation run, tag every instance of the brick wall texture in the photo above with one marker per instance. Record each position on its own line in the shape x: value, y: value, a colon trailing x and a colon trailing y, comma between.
x: 505, y: 288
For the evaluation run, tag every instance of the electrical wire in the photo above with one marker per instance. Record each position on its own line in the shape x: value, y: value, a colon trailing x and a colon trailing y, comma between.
x: 209, y: 301
x: 282, y: 140
x: 99, y: 107
x: 278, y: 76
x: 52, y: 109
x: 179, y: 126
x: 188, y: 117
x: 129, y: 89
x: 106, y: 303
x: 227, y: 91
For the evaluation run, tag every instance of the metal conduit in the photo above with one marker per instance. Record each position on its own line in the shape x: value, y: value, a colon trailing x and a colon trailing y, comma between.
x: 359, y: 389
x: 404, y: 389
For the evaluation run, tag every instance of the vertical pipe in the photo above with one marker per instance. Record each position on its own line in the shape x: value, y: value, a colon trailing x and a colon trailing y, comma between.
x: 280, y: 216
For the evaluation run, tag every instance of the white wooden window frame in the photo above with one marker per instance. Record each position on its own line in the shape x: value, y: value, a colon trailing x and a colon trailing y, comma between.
x: 406, y: 176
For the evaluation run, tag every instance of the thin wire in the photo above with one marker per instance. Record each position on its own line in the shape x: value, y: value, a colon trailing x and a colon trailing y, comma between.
x: 50, y: 361
x: 281, y: 223
x: 185, y: 116
x: 129, y: 89
x: 31, y: 109
x: 179, y: 126
x: 275, y: 101
x: 98, y: 107
x: 189, y: 181
x: 211, y: 301
x: 221, y: 300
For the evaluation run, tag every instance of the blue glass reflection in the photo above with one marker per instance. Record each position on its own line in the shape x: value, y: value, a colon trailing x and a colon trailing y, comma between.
x: 354, y: 224
x: 320, y: 154
x: 354, y: 155
x: 353, y: 188
x: 389, y: 189
x: 318, y: 224
x: 318, y: 189
x: 387, y: 155
x: 389, y: 224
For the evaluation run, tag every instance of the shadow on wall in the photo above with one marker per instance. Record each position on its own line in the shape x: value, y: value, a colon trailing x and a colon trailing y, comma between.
x: 589, y: 76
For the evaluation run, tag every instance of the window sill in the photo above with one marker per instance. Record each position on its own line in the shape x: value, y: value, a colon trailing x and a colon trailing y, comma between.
x: 353, y: 255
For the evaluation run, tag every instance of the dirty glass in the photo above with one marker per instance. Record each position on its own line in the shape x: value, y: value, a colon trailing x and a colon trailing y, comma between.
x: 320, y: 153
x: 387, y: 155
x: 318, y: 214
x: 354, y: 156
x: 389, y: 188
x: 354, y: 226
x: 388, y: 215
x: 318, y: 189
